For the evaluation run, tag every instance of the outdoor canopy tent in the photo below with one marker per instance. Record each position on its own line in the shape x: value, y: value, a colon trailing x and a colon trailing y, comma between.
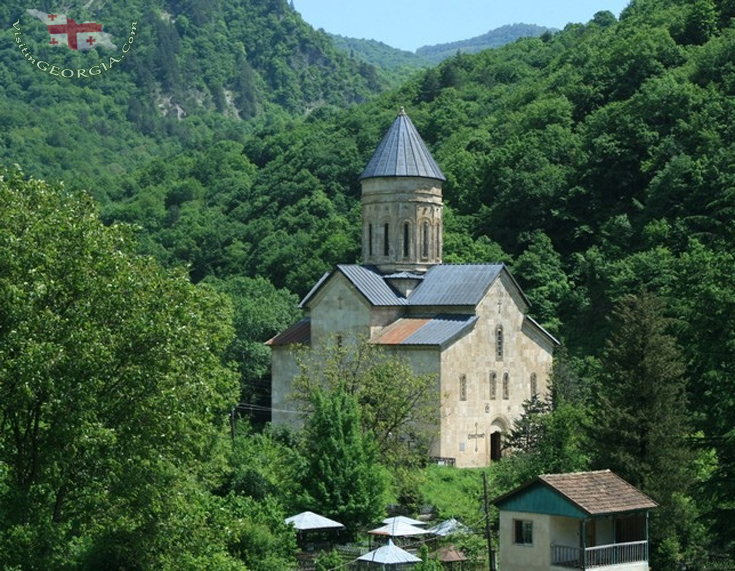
x: 398, y: 529
x: 309, y: 521
x: 403, y: 519
x: 314, y: 529
x: 389, y: 555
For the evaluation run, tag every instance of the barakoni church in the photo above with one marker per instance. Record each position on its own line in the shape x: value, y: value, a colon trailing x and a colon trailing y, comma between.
x: 466, y: 324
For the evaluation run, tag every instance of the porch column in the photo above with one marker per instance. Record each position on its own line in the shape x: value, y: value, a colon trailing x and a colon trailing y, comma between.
x: 615, y: 537
x: 584, y: 543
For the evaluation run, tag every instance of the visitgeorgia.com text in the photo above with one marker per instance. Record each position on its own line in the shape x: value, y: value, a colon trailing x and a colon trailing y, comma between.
x: 70, y: 73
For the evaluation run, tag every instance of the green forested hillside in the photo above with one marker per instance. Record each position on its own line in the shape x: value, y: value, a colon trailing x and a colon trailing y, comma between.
x: 492, y: 39
x: 196, y: 71
x: 397, y: 65
x: 598, y: 162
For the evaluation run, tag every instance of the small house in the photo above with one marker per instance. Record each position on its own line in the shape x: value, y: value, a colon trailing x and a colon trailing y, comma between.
x: 582, y: 520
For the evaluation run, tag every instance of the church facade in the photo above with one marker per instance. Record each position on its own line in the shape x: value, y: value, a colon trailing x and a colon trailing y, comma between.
x: 466, y: 324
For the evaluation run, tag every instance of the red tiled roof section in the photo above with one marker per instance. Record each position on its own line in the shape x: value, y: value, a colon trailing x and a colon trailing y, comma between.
x: 298, y: 333
x: 401, y: 330
x: 600, y: 492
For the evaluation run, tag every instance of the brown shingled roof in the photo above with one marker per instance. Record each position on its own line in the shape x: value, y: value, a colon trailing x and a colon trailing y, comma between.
x: 299, y: 332
x: 598, y: 493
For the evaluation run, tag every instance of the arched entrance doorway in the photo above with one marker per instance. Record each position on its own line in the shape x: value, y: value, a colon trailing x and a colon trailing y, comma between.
x: 498, y: 428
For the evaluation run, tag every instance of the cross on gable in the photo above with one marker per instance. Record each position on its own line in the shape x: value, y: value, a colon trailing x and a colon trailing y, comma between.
x: 53, y: 41
x: 476, y: 435
x: 90, y: 40
x: 52, y: 17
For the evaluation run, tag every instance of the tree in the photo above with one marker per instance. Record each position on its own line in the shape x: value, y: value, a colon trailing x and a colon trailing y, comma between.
x: 113, y: 391
x: 343, y: 478
x: 548, y: 437
x: 641, y: 417
x: 397, y: 405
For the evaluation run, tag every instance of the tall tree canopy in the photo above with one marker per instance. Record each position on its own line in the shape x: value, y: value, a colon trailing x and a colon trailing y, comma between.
x: 641, y: 423
x: 113, y: 390
x: 343, y: 478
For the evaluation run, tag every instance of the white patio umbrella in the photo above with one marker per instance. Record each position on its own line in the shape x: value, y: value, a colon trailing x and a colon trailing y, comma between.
x: 389, y: 555
x: 398, y: 529
x: 403, y: 519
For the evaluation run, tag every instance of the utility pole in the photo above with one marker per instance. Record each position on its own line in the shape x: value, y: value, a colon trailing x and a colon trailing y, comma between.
x: 490, y: 553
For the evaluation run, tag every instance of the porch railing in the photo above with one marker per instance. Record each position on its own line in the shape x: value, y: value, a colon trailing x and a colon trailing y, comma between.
x: 601, y: 556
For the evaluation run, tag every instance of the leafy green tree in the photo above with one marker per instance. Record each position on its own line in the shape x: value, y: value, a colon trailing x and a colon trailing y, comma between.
x: 398, y: 406
x: 264, y: 466
x: 327, y: 561
x: 640, y: 428
x: 113, y: 390
x: 343, y: 478
x: 704, y: 299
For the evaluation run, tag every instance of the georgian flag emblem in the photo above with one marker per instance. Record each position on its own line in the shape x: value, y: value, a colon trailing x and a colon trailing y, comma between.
x: 67, y: 32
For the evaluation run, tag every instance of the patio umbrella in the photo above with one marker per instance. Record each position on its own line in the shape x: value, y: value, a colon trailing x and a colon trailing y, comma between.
x: 389, y: 555
x: 403, y: 519
x: 398, y: 529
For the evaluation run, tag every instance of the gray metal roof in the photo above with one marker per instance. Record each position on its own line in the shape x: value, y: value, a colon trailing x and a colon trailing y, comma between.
x: 441, y: 330
x: 389, y: 555
x: 437, y: 330
x: 402, y: 152
x: 313, y: 290
x: 309, y: 520
x: 447, y: 284
x: 368, y: 281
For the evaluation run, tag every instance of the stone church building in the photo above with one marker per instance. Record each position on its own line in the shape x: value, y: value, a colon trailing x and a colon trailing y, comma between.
x: 467, y: 324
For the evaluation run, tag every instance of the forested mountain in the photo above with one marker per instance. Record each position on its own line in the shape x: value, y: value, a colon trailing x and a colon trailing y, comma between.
x: 598, y: 162
x: 493, y: 39
x: 379, y: 54
x: 196, y: 70
x: 397, y: 65
x: 400, y: 64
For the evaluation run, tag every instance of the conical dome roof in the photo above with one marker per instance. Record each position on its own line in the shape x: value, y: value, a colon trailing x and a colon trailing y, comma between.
x: 402, y: 152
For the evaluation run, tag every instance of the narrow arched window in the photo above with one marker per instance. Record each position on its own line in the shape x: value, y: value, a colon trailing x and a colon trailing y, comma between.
x: 425, y: 240
x: 370, y: 239
x: 406, y: 234
x: 386, y: 247
x: 438, y: 241
x: 534, y: 385
x: 463, y: 387
x: 499, y: 342
x: 493, y: 392
x: 506, y: 386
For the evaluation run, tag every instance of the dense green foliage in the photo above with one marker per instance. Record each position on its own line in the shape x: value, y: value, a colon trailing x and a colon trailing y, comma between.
x: 195, y: 71
x: 343, y: 479
x: 397, y: 405
x: 641, y: 426
x: 397, y: 65
x: 597, y: 162
x: 113, y: 391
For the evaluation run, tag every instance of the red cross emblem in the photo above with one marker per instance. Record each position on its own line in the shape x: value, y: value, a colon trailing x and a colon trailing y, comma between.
x: 53, y: 41
x: 72, y: 28
x: 91, y: 40
x: 52, y: 17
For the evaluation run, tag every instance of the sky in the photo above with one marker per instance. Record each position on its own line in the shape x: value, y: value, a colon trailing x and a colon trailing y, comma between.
x: 410, y: 24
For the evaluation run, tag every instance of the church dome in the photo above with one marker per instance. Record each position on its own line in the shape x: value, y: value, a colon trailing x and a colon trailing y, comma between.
x: 402, y: 152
